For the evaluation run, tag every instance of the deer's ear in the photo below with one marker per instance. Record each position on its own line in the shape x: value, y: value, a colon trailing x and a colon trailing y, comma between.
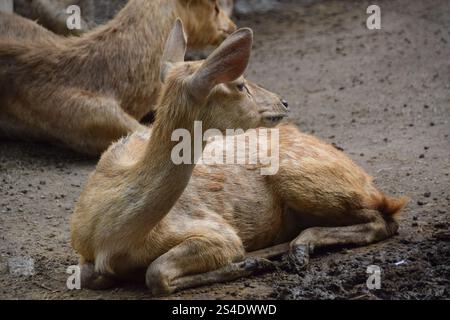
x: 174, y: 50
x: 225, y: 64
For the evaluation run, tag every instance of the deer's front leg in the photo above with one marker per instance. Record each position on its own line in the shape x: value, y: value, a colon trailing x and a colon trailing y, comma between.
x: 91, y: 279
x: 297, y: 256
x: 200, y: 261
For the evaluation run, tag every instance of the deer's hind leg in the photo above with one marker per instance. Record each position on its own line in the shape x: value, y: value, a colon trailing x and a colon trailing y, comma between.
x: 199, y: 261
x: 372, y: 227
x: 97, y: 121
x: 369, y: 227
x: 84, y: 121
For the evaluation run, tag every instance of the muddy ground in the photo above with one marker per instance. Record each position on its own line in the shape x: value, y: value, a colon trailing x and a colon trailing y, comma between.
x: 383, y: 96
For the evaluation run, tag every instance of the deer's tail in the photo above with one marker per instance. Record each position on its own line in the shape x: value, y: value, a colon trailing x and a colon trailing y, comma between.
x: 392, y: 207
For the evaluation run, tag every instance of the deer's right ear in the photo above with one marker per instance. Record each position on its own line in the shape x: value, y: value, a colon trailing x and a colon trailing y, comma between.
x: 225, y: 64
x: 174, y: 50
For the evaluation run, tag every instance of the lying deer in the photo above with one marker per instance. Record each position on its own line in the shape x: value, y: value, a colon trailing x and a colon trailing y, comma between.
x: 87, y: 92
x: 53, y: 14
x: 190, y: 225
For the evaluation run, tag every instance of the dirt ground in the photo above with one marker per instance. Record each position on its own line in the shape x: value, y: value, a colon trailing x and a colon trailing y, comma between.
x: 383, y: 96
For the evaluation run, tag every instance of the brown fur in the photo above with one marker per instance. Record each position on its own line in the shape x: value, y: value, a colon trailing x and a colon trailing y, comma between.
x: 391, y: 207
x: 192, y: 226
x: 52, y: 13
x: 87, y: 92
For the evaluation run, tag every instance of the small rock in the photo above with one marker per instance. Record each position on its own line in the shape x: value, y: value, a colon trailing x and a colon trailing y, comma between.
x: 21, y: 266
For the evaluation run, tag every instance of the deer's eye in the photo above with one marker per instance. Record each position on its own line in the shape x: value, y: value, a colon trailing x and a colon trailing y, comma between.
x: 217, y: 9
x: 240, y: 87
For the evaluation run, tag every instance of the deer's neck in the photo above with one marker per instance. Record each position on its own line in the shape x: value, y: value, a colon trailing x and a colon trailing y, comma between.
x: 159, y: 180
x: 126, y: 53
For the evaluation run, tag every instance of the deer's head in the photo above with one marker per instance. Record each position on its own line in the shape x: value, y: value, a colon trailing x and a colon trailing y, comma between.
x: 214, y: 90
x: 205, y: 21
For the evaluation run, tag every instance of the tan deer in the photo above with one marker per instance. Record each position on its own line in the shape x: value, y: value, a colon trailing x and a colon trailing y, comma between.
x: 190, y: 225
x: 53, y: 14
x: 87, y: 92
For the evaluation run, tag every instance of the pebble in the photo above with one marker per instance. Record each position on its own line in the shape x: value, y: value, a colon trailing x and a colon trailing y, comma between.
x: 21, y: 266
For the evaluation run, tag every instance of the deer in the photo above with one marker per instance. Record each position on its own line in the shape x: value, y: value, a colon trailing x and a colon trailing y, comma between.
x: 86, y: 92
x: 142, y: 217
x: 53, y: 15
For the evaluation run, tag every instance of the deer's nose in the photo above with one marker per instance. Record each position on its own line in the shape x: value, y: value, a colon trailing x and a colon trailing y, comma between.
x: 285, y: 103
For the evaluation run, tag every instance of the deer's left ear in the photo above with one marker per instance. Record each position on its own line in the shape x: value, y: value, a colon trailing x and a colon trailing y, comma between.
x: 174, y: 50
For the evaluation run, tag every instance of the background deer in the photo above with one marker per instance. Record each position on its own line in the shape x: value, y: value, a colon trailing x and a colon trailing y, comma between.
x: 192, y: 225
x: 89, y: 91
x: 53, y: 16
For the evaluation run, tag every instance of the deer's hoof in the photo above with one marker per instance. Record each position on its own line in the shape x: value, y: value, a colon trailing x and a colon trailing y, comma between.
x: 297, y: 259
x: 90, y: 279
x: 157, y: 283
x: 256, y: 265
